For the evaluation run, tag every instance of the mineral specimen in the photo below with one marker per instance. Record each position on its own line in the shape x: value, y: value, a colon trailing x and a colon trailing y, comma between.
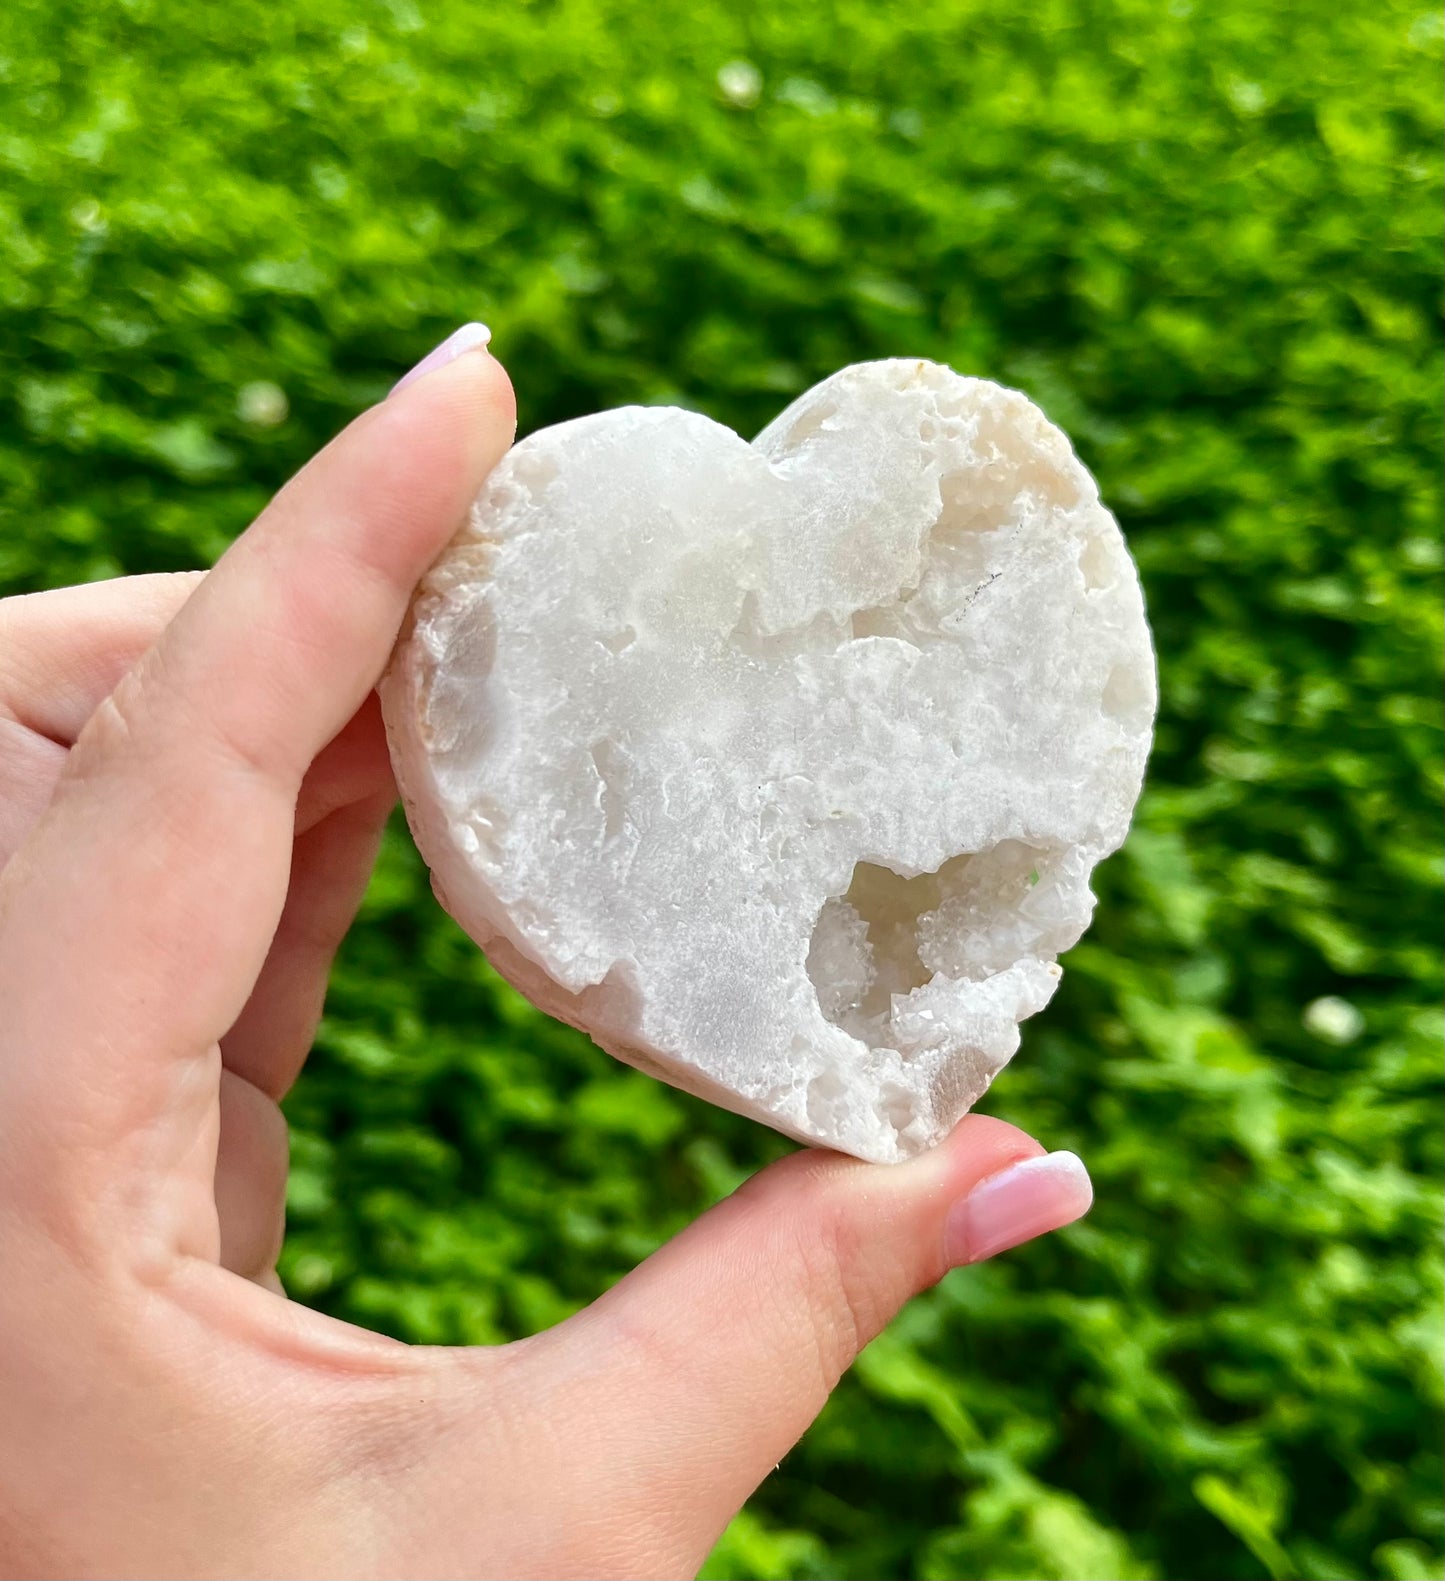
x: 780, y: 768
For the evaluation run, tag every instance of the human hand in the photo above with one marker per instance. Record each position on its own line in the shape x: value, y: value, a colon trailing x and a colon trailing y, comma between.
x: 193, y: 779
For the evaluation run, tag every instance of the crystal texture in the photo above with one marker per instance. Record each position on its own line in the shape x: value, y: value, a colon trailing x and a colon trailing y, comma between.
x: 780, y: 768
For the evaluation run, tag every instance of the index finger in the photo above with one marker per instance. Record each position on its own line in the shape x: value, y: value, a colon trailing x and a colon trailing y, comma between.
x: 135, y: 918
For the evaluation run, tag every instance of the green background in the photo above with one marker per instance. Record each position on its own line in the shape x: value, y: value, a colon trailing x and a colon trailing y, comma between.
x: 1206, y: 237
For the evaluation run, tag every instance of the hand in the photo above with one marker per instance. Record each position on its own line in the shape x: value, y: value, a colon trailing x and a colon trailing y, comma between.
x: 193, y: 780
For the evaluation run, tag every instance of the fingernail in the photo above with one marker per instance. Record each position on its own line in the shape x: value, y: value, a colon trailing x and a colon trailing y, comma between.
x: 467, y: 338
x: 1027, y: 1199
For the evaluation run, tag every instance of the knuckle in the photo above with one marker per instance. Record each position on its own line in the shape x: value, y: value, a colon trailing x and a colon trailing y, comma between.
x: 118, y: 736
x: 108, y: 733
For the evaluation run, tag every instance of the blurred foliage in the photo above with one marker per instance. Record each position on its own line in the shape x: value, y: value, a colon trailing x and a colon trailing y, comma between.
x: 1207, y: 238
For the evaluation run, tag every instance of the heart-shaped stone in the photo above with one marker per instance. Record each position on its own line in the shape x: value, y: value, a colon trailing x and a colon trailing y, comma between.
x: 781, y: 768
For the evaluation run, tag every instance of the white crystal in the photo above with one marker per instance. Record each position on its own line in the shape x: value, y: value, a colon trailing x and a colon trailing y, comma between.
x: 781, y: 768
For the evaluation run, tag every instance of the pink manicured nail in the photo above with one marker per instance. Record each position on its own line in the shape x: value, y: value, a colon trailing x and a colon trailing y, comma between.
x: 1027, y: 1199
x: 467, y: 338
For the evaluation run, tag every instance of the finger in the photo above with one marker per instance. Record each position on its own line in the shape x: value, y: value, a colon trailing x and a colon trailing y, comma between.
x: 340, y: 814
x: 252, y: 1156
x: 356, y: 766
x: 30, y: 765
x: 134, y: 920
x: 330, y: 866
x: 723, y: 1347
x: 62, y: 651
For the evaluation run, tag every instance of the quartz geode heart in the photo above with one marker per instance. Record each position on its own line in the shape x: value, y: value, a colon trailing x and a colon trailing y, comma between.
x: 780, y: 769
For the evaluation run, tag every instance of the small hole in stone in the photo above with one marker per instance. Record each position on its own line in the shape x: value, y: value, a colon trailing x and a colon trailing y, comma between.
x: 1097, y: 566
x: 890, y: 907
x: 865, y: 944
x: 620, y: 641
x: 810, y: 423
x: 880, y: 621
x: 824, y: 1093
x: 534, y: 472
x: 888, y: 935
x: 610, y: 766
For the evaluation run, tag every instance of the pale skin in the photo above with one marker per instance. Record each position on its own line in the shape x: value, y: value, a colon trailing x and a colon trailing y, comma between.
x: 193, y: 782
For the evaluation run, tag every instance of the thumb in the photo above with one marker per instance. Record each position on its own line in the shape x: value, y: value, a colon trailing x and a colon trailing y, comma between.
x: 723, y: 1346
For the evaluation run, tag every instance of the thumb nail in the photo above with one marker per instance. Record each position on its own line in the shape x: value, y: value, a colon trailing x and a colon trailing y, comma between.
x: 467, y: 338
x: 1026, y: 1200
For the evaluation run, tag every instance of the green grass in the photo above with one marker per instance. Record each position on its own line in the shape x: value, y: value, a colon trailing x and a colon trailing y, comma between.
x: 1206, y: 237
